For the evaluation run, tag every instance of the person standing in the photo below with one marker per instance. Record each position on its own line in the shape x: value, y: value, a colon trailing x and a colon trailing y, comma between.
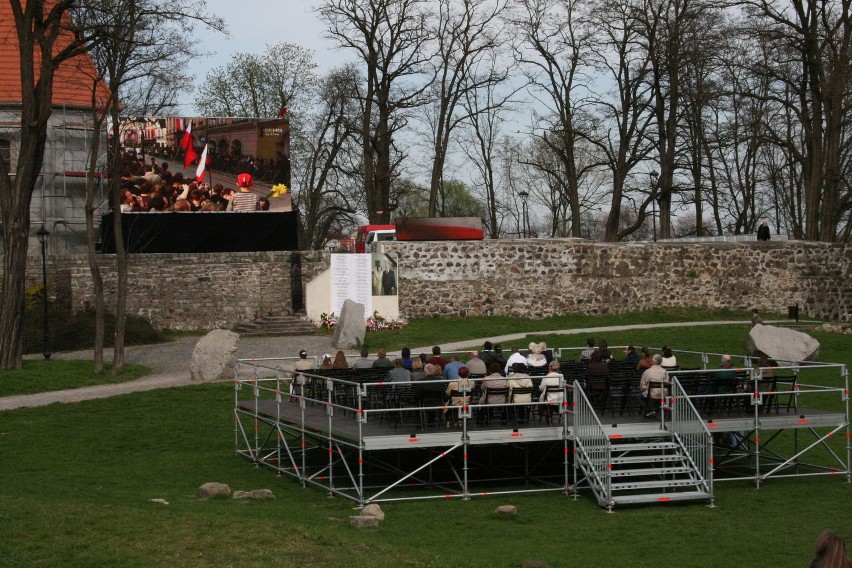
x: 245, y: 200
x: 763, y: 231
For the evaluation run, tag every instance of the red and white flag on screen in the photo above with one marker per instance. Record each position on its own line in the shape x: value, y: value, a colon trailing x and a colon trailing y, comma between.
x: 187, y: 145
x: 202, y: 164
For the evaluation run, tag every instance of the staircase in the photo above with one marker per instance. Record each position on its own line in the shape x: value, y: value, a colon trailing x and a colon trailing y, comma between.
x: 653, y: 471
x: 277, y: 325
x: 648, y: 466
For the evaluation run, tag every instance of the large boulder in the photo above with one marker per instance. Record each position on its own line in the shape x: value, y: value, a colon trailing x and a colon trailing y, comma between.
x: 373, y: 510
x: 349, y: 331
x: 213, y: 358
x: 782, y: 343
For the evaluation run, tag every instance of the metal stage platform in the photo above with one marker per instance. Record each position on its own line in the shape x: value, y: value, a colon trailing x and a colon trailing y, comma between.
x: 370, y: 441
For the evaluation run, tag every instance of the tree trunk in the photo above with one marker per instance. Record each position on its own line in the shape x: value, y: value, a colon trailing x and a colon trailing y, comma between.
x: 97, y: 278
x: 120, y: 251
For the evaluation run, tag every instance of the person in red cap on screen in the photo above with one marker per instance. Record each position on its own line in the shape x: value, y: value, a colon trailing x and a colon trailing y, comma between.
x: 245, y: 200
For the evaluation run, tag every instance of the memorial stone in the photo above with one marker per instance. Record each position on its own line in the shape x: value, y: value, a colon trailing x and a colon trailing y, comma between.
x: 349, y: 331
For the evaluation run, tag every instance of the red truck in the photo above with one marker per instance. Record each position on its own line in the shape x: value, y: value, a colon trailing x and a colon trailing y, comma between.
x: 421, y: 229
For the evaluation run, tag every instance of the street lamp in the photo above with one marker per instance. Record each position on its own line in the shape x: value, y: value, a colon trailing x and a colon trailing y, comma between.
x: 524, y: 221
x: 42, y: 234
x: 654, y: 175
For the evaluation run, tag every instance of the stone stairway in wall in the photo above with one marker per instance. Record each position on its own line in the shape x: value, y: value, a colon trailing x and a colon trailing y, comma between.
x: 284, y: 324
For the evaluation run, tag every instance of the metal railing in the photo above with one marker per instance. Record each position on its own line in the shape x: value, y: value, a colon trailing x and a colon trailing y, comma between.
x: 692, y: 435
x: 593, y: 447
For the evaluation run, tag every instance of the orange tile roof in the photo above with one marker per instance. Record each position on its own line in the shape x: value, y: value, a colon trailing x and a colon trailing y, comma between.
x: 73, y: 80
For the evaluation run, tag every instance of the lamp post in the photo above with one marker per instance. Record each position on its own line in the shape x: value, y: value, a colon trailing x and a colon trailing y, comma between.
x: 524, y: 222
x: 654, y: 175
x: 42, y: 234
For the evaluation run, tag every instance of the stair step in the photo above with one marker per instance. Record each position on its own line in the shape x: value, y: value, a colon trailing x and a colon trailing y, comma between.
x: 644, y: 446
x: 646, y: 471
x: 659, y: 484
x: 646, y: 458
x: 660, y: 497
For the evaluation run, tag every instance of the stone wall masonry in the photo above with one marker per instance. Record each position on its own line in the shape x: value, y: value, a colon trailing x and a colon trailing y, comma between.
x: 540, y: 278
x: 526, y: 278
x: 180, y: 291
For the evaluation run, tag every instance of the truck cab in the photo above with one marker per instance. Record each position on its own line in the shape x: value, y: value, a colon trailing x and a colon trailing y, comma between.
x: 368, y: 234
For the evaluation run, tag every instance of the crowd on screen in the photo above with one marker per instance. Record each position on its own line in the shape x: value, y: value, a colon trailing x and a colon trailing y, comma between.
x: 150, y: 186
x: 265, y: 170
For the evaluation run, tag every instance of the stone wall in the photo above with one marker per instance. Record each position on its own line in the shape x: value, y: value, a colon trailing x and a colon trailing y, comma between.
x: 534, y: 278
x: 540, y: 278
x: 180, y: 291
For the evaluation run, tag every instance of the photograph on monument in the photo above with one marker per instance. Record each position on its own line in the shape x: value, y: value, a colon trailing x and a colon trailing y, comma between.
x: 384, y: 268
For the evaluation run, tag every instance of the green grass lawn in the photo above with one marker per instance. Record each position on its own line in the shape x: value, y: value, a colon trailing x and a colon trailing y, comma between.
x: 76, y: 480
x: 42, y: 376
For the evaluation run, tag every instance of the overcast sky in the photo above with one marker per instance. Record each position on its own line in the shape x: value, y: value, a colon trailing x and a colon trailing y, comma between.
x: 252, y: 24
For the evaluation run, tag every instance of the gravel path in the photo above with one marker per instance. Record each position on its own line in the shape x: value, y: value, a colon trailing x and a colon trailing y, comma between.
x: 170, y: 361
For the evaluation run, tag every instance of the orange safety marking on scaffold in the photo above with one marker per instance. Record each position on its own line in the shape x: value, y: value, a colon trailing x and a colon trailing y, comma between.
x: 803, y: 420
x: 609, y: 466
x: 711, y: 425
x: 330, y: 451
x: 256, y: 426
x: 360, y: 461
x: 712, y: 461
x: 615, y: 436
x: 756, y: 441
x: 414, y: 440
x: 443, y: 454
x: 448, y: 496
x: 663, y: 499
x: 830, y: 434
x: 516, y: 434
x: 485, y: 494
x: 464, y: 456
x: 360, y: 411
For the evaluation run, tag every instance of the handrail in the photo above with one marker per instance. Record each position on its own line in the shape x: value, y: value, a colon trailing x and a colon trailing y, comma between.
x: 593, y: 446
x: 691, y: 434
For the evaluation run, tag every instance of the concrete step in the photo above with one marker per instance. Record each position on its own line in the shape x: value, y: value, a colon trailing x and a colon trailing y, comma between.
x: 276, y: 325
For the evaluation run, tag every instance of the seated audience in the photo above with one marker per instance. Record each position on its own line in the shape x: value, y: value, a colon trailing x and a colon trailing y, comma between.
x: 515, y: 357
x: 669, y: 359
x: 451, y: 370
x: 552, y: 379
x: 536, y: 358
x: 364, y: 361
x: 646, y: 361
x: 382, y: 362
x: 631, y: 358
x: 475, y: 365
x: 586, y: 354
x: 436, y: 358
x: 340, y: 361
x: 519, y: 379
x: 399, y: 374
x: 646, y: 394
x: 606, y: 356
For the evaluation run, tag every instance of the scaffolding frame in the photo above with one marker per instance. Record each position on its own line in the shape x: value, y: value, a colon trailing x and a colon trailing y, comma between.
x: 344, y: 453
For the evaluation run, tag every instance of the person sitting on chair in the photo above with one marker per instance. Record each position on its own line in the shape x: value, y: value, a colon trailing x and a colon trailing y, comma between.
x: 655, y: 373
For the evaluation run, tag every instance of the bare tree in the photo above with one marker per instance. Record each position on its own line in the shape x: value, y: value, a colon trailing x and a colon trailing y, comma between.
x: 47, y: 37
x: 141, y: 44
x: 554, y: 41
x: 468, y: 36
x: 259, y: 85
x: 390, y: 39
x: 817, y: 36
x: 624, y: 115
x: 325, y: 157
x: 665, y: 26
